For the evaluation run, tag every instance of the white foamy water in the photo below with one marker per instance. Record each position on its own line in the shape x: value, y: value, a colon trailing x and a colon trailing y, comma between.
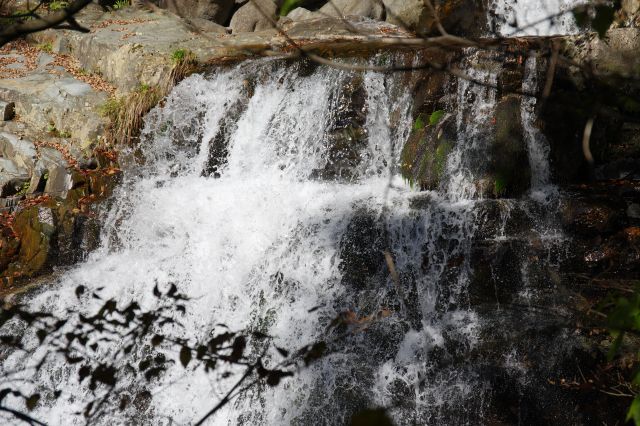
x: 542, y: 189
x: 535, y: 17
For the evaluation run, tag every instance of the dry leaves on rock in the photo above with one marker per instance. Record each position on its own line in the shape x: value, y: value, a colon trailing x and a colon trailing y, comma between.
x: 30, y: 59
x: 61, y: 149
x: 109, y: 22
x: 72, y: 66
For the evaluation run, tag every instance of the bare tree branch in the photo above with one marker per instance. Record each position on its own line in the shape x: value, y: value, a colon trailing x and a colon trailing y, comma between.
x: 42, y: 23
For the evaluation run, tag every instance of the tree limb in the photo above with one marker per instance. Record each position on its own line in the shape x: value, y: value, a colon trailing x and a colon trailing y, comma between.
x: 39, y: 24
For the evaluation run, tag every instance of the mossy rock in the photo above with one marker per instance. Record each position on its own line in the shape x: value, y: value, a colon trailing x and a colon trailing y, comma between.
x: 35, y: 228
x: 9, y: 246
x: 56, y: 231
x: 509, y: 171
x: 424, y: 156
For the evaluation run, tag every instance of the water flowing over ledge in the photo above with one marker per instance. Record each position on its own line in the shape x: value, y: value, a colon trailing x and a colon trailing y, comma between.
x: 268, y: 189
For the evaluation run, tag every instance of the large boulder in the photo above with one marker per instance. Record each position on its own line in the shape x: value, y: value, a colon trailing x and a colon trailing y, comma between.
x: 373, y: 9
x: 459, y: 17
x: 217, y: 11
x: 466, y: 18
x: 413, y: 15
x: 302, y: 14
x: 256, y: 15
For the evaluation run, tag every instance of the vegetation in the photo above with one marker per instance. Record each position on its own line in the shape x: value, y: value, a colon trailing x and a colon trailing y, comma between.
x: 121, y: 4
x: 180, y: 56
x: 144, y: 346
x: 58, y: 5
x: 435, y: 117
x: 53, y: 131
x: 126, y: 112
x: 46, y: 47
x: 623, y: 318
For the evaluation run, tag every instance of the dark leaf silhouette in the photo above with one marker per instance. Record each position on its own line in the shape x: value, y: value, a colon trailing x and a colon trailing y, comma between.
x: 185, y: 356
x: 32, y: 401
x: 239, y: 344
x: 124, y: 402
x: 80, y: 291
x: 172, y: 290
x: 315, y: 352
x: 201, y: 351
x: 144, y: 364
x: 274, y: 377
x: 105, y: 374
x: 157, y: 340
x: 83, y: 372
x: 371, y: 417
x: 219, y: 340
x: 3, y: 393
x: 153, y: 373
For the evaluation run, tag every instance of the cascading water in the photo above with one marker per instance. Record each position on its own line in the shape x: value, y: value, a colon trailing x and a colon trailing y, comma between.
x: 523, y: 18
x: 266, y: 190
x: 541, y: 187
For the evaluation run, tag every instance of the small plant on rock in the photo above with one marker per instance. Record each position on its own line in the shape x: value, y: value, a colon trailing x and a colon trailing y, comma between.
x: 53, y: 131
x: 121, y: 4
x: 46, y: 47
x: 58, y: 5
x: 179, y: 55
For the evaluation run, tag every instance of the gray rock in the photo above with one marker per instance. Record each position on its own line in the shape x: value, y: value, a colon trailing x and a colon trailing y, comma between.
x: 16, y: 66
x: 52, y: 167
x: 302, y: 14
x: 254, y: 16
x: 21, y: 162
x: 20, y: 151
x: 45, y: 59
x: 206, y: 26
x: 69, y: 104
x: 373, y: 9
x: 9, y: 168
x: 59, y: 182
x: 217, y: 11
x: 409, y: 14
x: 12, y: 177
x: 631, y: 7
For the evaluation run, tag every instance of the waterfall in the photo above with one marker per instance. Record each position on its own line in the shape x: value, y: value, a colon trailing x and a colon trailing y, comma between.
x: 269, y: 188
x: 541, y: 18
x: 257, y: 242
x: 538, y: 147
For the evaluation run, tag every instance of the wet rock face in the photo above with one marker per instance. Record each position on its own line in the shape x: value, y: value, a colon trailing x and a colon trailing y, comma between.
x: 610, y: 101
x: 592, y: 216
x: 424, y: 156
x: 509, y: 168
x: 347, y: 137
x: 361, y: 250
x: 467, y: 18
x: 44, y: 231
x: 605, y: 229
